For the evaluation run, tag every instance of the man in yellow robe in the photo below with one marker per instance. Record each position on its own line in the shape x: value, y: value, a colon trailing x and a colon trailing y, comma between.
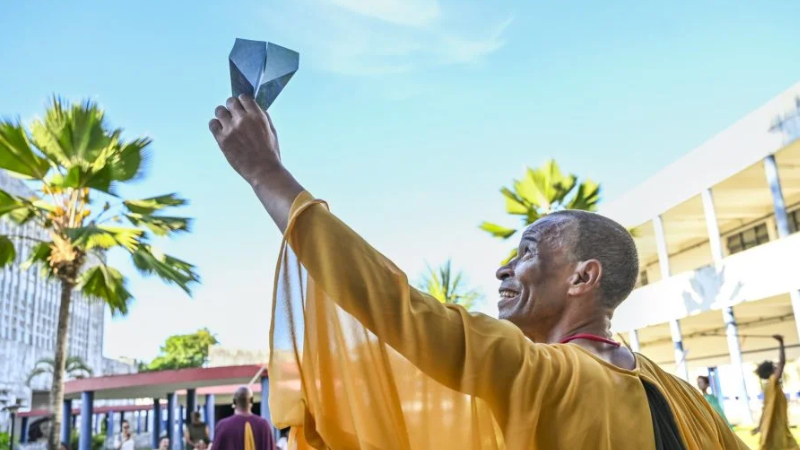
x: 362, y: 360
x: 774, y: 423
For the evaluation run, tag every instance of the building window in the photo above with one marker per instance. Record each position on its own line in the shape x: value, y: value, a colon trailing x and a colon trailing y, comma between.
x: 748, y: 238
x: 794, y: 221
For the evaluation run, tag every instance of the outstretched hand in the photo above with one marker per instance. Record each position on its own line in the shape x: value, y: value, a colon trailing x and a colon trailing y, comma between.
x: 247, y: 138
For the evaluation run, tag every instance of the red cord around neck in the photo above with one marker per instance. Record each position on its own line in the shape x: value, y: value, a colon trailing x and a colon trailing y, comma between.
x: 590, y: 337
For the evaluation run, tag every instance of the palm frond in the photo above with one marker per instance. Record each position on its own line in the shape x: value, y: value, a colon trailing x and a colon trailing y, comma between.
x: 40, y: 254
x: 448, y: 286
x: 17, y: 155
x: 9, y: 203
x: 75, y: 365
x: 586, y: 197
x: 172, y: 270
x: 151, y: 205
x: 108, y: 284
x: 541, y: 191
x: 35, y: 373
x: 160, y: 225
x: 105, y: 237
x: 498, y: 231
x: 8, y: 252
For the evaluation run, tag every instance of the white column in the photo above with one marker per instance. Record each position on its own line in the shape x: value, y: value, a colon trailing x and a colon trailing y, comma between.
x: 728, y: 317
x: 782, y: 220
x: 633, y: 335
x: 681, y: 368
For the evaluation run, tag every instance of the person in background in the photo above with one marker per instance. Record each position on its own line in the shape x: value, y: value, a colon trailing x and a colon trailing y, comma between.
x: 163, y: 444
x: 774, y: 423
x: 704, y: 384
x: 125, y: 440
x: 243, y: 430
x: 196, y: 431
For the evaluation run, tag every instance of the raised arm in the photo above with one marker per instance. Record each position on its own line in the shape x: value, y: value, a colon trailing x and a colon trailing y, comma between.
x: 781, y: 357
x: 472, y: 354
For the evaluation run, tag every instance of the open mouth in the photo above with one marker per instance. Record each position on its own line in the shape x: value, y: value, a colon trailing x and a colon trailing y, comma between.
x: 507, y: 295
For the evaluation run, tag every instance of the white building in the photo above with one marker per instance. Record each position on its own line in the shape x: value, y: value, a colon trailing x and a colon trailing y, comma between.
x: 29, y: 317
x: 718, y: 247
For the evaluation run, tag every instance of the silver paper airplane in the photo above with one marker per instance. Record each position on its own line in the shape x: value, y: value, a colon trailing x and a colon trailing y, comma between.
x: 261, y: 69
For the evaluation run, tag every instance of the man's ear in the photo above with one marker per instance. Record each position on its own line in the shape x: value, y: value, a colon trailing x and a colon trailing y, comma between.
x: 586, y: 277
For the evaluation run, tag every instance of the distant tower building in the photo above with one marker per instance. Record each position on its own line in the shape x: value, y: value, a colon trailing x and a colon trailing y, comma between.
x: 29, y: 316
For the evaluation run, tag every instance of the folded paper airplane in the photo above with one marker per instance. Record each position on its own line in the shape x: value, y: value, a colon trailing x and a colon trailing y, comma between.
x: 261, y: 69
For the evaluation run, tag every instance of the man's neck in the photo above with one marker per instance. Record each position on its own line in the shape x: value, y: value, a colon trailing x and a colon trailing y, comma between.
x: 242, y: 412
x: 597, y: 324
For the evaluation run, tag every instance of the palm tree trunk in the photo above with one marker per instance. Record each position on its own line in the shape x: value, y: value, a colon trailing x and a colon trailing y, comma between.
x: 57, y: 391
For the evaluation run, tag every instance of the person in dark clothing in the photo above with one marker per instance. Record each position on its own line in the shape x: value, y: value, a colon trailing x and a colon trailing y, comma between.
x: 196, y: 430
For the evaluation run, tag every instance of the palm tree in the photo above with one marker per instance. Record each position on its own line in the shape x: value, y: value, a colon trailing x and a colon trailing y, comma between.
x: 446, y: 287
x: 74, y: 162
x: 544, y: 190
x: 74, y: 367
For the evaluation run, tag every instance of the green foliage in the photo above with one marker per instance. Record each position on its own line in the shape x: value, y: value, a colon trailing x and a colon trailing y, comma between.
x: 184, y: 351
x: 447, y: 287
x: 5, y: 440
x: 75, y: 367
x: 542, y: 191
x: 98, y: 441
x: 78, y: 162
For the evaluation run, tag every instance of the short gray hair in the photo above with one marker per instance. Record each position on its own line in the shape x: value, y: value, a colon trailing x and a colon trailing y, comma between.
x: 610, y: 243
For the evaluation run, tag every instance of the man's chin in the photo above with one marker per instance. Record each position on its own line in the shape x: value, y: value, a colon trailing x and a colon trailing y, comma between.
x: 507, y: 307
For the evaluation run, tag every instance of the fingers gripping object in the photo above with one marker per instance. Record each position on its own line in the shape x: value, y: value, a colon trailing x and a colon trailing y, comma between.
x: 261, y: 70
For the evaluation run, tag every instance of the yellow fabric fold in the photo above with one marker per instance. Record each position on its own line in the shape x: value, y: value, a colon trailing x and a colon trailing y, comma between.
x: 249, y: 439
x: 775, y: 433
x: 361, y: 360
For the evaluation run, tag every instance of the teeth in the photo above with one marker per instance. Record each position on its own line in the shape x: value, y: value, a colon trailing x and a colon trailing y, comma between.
x: 507, y: 294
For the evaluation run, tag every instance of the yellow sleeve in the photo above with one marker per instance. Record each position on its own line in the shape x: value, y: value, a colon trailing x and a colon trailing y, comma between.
x: 469, y: 353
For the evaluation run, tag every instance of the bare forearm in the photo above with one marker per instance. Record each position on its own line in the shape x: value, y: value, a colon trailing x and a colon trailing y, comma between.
x: 277, y: 190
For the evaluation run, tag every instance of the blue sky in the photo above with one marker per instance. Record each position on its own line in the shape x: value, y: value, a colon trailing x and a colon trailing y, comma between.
x: 406, y: 115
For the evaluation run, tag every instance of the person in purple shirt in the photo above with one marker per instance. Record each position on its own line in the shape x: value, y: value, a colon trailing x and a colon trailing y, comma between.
x: 243, y: 430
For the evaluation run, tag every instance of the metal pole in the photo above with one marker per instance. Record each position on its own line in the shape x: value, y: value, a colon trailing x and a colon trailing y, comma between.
x: 24, y: 430
x: 182, y: 414
x: 728, y: 316
x: 87, y: 408
x: 13, y: 425
x: 681, y: 368
x: 110, y: 424
x: 210, y: 412
x: 171, y: 404
x: 66, y: 420
x: 191, y: 403
x: 782, y: 220
x: 156, y: 429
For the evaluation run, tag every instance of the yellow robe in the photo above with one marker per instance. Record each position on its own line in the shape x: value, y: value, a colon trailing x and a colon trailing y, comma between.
x: 775, y: 434
x: 361, y: 360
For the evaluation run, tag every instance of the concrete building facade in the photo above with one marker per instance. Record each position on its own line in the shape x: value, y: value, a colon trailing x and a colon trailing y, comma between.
x: 717, y: 233
x: 29, y: 316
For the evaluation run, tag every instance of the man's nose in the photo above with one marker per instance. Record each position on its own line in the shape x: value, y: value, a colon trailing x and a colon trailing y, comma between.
x: 505, y: 271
